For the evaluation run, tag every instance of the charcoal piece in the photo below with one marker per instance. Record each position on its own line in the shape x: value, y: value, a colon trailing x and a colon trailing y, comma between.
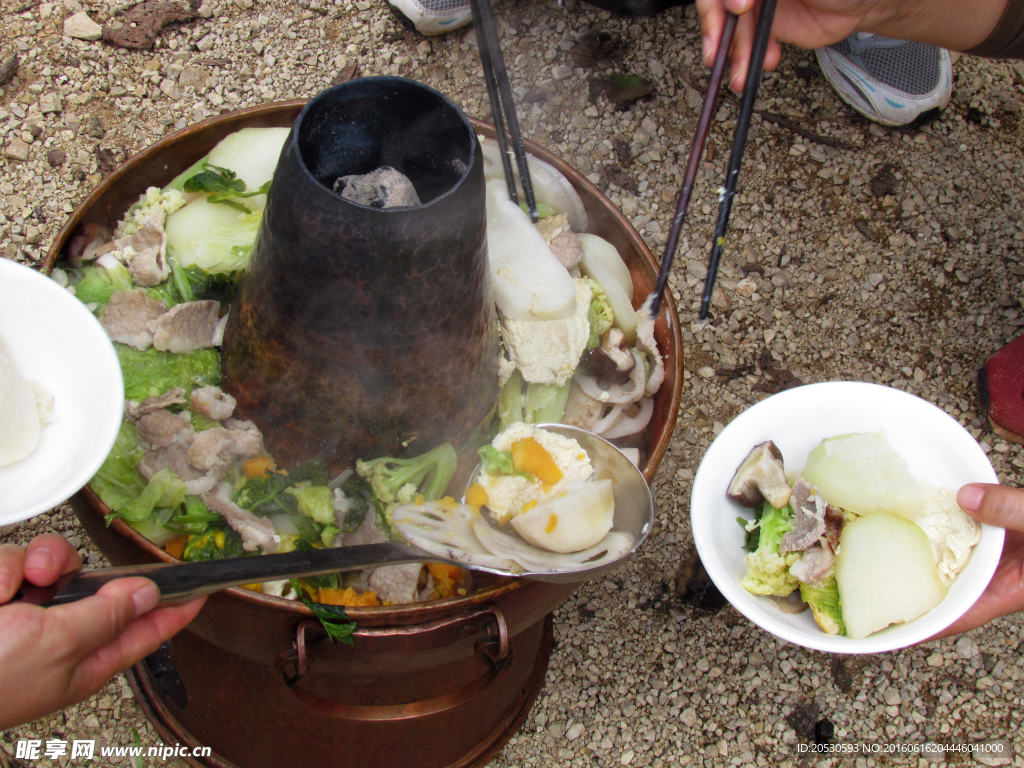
x: 360, y: 332
x: 382, y: 188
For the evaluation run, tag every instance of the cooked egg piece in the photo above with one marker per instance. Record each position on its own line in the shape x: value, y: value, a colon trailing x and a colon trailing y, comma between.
x: 570, y: 520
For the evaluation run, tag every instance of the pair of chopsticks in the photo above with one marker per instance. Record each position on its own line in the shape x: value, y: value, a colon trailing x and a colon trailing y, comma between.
x: 761, y: 35
x: 502, y: 106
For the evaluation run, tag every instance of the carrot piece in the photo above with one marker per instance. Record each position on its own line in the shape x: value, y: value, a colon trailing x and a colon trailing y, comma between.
x: 347, y: 597
x: 258, y: 466
x: 528, y: 455
x: 176, y: 546
x: 476, y: 495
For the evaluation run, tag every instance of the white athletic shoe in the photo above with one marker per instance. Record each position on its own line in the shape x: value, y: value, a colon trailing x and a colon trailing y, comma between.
x: 432, y: 17
x: 889, y: 81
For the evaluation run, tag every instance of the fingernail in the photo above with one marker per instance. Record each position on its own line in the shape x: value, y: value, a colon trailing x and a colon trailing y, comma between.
x: 706, y: 48
x: 969, y: 497
x: 145, y: 598
x: 39, y: 558
x: 6, y: 587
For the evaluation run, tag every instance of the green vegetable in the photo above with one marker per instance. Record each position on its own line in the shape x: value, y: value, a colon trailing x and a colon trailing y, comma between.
x: 543, y: 210
x: 178, y: 182
x: 155, y: 526
x: 825, y: 605
x: 214, y: 238
x: 545, y: 403
x: 216, y: 287
x: 204, y: 547
x: 223, y: 185
x: 95, y: 285
x: 499, y: 462
x: 197, y: 518
x: 264, y: 495
x: 396, y: 481
x: 314, y: 501
x: 360, y: 497
x: 767, y: 570
x: 118, y: 481
x: 309, y: 531
x: 152, y: 372
x: 202, y: 423
x: 167, y: 292
x: 510, y: 400
x: 334, y: 618
x: 328, y: 534
x: 600, y: 315
x: 165, y: 489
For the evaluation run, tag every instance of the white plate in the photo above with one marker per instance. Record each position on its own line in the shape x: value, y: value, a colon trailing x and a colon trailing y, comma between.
x: 938, y: 450
x: 53, y: 339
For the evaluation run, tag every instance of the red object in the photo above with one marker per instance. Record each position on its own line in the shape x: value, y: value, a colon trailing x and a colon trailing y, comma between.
x: 1001, y: 385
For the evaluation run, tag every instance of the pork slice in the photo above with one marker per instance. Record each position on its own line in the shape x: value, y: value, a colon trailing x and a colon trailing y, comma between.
x: 814, y: 565
x: 256, y: 532
x: 834, y: 522
x: 396, y: 583
x: 646, y: 343
x: 214, y: 448
x: 368, y: 532
x: 581, y: 410
x: 162, y: 428
x: 149, y: 265
x: 568, y: 249
x: 173, y: 457
x: 185, y: 327
x: 249, y: 440
x: 127, y: 316
x: 213, y: 403
x: 808, y: 519
x: 134, y: 410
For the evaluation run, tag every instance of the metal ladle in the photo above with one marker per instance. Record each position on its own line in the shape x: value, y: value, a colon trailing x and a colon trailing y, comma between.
x: 180, y: 582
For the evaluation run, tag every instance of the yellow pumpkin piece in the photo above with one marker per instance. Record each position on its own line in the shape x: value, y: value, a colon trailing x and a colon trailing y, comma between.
x: 176, y: 546
x: 258, y: 466
x: 347, y: 597
x: 528, y: 455
x: 254, y: 587
x: 418, y: 501
x: 476, y: 495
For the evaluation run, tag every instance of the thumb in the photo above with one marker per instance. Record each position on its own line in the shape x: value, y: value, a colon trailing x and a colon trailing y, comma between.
x: 96, y: 621
x: 997, y: 505
x: 739, y: 7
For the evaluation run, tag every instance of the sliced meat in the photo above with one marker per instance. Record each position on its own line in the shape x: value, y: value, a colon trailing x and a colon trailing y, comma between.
x: 252, y: 435
x: 127, y: 316
x: 368, y: 532
x: 148, y: 263
x: 162, y: 428
x: 173, y: 457
x: 581, y: 410
x: 213, y: 448
x: 646, y: 343
x: 568, y: 249
x: 186, y: 327
x: 814, y: 565
x: 134, y: 410
x: 256, y: 532
x: 213, y: 403
x: 396, y: 583
x: 834, y: 522
x: 808, y: 519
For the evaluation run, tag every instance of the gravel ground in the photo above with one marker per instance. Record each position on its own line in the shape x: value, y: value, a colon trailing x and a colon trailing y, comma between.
x: 856, y: 252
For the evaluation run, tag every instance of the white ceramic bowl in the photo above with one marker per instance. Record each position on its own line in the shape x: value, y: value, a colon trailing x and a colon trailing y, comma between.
x: 53, y: 339
x: 937, y: 449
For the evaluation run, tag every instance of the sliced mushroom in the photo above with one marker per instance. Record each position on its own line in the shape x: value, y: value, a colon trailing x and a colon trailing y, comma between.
x: 599, y: 364
x: 762, y: 475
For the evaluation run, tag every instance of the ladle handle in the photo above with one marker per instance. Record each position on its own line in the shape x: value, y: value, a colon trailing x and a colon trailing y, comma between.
x: 181, y: 582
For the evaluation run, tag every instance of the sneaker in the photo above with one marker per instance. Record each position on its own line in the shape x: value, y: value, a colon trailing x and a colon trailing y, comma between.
x: 432, y: 17
x: 889, y: 81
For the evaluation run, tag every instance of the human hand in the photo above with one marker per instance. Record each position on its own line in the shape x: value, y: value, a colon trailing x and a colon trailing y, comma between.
x: 1001, y: 506
x: 51, y: 658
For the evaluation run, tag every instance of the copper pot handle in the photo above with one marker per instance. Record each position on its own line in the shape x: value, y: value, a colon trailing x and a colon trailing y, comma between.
x: 494, y: 649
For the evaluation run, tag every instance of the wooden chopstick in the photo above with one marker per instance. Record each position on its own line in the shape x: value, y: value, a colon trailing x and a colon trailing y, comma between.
x: 499, y: 91
x: 739, y: 143
x: 700, y: 136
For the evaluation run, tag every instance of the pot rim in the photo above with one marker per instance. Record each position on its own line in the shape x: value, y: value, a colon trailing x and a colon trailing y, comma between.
x: 412, y: 612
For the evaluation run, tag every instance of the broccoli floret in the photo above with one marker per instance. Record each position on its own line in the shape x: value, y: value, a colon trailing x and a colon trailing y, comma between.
x: 428, y: 473
x: 767, y: 570
x: 600, y: 315
x: 825, y: 605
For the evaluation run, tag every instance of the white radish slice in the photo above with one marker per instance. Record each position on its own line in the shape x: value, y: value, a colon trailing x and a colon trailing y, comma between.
x: 529, y: 282
x: 862, y: 473
x: 885, y: 573
x: 549, y: 185
x: 445, y: 530
x: 600, y: 249
x: 533, y: 560
x: 622, y: 306
x: 631, y: 425
x: 570, y: 520
x: 252, y: 153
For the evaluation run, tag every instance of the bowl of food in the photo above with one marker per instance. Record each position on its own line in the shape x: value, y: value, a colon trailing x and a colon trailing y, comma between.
x: 60, y: 393
x: 476, y: 647
x: 827, y: 515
